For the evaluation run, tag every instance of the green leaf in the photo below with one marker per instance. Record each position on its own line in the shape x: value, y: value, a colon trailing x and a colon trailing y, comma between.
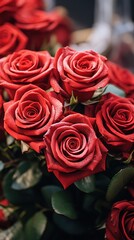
x: 26, y: 176
x: 35, y: 226
x: 116, y: 90
x: 88, y: 201
x: 86, y: 184
x: 101, y: 206
x: 62, y: 203
x: 48, y: 192
x: 1, y: 165
x: 19, y: 235
x: 118, y: 182
x: 70, y: 226
x: 129, y: 158
x: 16, y: 197
x: 73, y: 99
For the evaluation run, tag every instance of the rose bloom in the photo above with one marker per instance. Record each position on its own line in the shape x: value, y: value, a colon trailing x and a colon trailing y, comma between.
x: 72, y: 149
x: 32, y: 4
x: 7, y: 9
x: 30, y: 114
x: 11, y: 39
x: 3, y: 218
x: 39, y: 26
x: 121, y: 77
x: 1, y: 119
x: 80, y: 73
x: 24, y: 67
x: 63, y: 30
x: 115, y: 123
x: 120, y: 222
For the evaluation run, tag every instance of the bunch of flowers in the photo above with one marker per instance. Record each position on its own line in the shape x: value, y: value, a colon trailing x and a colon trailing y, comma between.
x: 25, y: 24
x: 66, y: 144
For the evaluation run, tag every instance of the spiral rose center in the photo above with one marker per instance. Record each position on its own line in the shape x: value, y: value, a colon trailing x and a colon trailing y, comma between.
x: 31, y: 112
x: 120, y: 115
x: 72, y: 143
x: 24, y: 64
x: 84, y: 65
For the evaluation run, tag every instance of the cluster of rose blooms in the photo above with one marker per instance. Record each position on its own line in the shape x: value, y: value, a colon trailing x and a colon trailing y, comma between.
x: 57, y: 105
x: 38, y: 110
x: 25, y: 24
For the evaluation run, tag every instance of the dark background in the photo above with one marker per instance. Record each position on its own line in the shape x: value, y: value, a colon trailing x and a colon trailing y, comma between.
x: 82, y: 11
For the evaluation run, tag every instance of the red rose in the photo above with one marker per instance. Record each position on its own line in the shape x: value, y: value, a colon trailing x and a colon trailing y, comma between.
x: 32, y: 4
x: 115, y: 122
x: 24, y: 67
x: 63, y: 32
x: 1, y: 119
x: 7, y: 8
x: 11, y: 39
x: 30, y: 114
x: 72, y: 149
x: 3, y: 218
x: 36, y: 20
x: 80, y: 73
x: 120, y: 222
x: 121, y: 77
x: 63, y: 28
x: 39, y: 26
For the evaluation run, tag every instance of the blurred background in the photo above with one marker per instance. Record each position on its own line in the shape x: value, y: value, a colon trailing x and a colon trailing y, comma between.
x: 104, y: 26
x: 82, y: 12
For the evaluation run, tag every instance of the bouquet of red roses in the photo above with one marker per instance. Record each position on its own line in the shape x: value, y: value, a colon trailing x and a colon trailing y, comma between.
x: 25, y: 24
x: 66, y: 145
